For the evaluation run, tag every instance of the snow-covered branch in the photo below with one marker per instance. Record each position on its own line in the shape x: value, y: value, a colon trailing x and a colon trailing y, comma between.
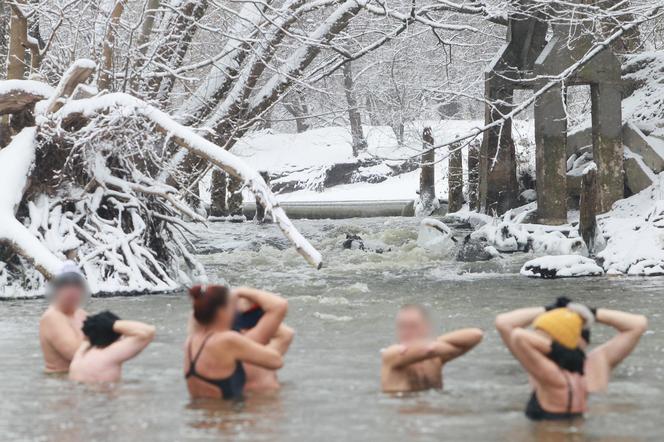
x: 199, y: 146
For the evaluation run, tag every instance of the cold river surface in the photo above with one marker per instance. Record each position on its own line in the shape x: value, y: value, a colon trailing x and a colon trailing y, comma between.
x: 343, y: 316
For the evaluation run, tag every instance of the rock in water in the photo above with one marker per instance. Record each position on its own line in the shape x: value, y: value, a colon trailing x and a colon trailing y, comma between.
x: 562, y: 266
x: 355, y: 242
x: 476, y: 250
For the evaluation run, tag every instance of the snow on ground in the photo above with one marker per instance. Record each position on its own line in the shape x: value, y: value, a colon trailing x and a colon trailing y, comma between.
x: 635, y: 228
x: 304, y: 156
x: 644, y: 106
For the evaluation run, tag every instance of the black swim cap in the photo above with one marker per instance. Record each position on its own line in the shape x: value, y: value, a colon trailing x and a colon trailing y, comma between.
x: 249, y: 319
x: 99, y: 329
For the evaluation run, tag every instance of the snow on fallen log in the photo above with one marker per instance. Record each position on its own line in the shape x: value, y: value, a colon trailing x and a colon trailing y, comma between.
x: 511, y: 237
x: 16, y: 161
x: 201, y: 147
x: 16, y: 95
x: 562, y: 266
x: 435, y: 236
x: 77, y: 73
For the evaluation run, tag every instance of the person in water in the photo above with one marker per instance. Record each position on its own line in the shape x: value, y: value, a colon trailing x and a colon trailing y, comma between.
x: 260, y: 317
x: 60, y: 332
x: 417, y: 361
x: 553, y: 353
x: 110, y: 342
x: 214, y: 353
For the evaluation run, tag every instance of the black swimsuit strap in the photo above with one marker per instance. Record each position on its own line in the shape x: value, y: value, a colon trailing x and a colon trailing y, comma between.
x: 192, y: 361
x: 570, y: 393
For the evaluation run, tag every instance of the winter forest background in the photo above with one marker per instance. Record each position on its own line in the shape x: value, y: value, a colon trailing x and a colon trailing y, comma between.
x: 125, y: 121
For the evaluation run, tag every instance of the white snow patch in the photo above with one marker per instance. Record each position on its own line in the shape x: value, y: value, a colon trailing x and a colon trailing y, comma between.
x: 562, y: 266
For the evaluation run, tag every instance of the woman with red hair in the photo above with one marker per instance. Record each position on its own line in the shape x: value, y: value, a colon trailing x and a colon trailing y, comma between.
x: 214, y: 352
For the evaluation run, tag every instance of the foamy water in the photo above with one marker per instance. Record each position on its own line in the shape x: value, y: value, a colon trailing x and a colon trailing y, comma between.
x: 343, y: 316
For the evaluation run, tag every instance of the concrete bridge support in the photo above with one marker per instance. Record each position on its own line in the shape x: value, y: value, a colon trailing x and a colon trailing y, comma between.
x: 603, y: 75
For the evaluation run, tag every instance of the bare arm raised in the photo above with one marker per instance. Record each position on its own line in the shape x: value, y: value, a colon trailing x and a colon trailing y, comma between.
x: 446, y: 347
x: 606, y: 357
x: 506, y: 323
x: 135, y: 337
x: 247, y: 350
x: 531, y: 350
x: 275, y: 308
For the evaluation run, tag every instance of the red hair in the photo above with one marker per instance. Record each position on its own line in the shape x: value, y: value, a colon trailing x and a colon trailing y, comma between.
x: 207, y: 300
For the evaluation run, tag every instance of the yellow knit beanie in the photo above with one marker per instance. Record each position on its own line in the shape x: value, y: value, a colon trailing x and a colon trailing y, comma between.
x: 563, y: 325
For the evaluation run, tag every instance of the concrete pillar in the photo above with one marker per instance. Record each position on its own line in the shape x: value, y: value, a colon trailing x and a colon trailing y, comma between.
x: 608, y: 143
x: 551, y: 156
x: 588, y: 206
x: 498, y: 182
x: 455, y: 179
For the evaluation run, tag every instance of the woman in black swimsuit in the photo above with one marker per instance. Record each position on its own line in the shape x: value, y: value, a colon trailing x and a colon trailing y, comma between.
x: 214, y: 353
x: 562, y: 370
x: 551, y: 354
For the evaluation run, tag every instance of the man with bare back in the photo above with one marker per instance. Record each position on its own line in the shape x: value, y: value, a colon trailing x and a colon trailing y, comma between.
x: 60, y: 326
x: 417, y: 361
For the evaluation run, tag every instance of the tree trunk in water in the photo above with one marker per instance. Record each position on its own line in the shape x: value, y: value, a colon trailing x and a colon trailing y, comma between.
x: 455, y: 179
x: 235, y: 198
x: 473, y: 176
x: 354, y: 117
x: 218, y: 206
x: 588, y: 209
x: 261, y: 215
x: 427, y: 203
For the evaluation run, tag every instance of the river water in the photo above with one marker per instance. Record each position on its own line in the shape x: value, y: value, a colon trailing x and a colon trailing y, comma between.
x: 343, y: 315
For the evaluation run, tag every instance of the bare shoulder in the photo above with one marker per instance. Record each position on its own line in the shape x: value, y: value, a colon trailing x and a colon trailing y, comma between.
x: 52, y: 317
x: 225, y: 338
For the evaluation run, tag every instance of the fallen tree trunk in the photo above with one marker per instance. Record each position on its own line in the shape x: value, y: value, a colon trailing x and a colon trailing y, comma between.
x: 76, y: 110
x: 16, y: 161
x: 18, y: 95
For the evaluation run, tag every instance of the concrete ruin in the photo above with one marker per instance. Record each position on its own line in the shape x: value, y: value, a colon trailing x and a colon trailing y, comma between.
x: 510, y: 70
x: 528, y: 61
x: 603, y: 74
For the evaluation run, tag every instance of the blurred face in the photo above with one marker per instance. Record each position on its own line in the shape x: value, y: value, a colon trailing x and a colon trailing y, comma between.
x: 69, y: 297
x: 225, y: 315
x: 412, y: 325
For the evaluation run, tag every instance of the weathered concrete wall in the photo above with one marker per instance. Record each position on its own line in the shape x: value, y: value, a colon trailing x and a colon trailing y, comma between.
x: 551, y: 157
x: 603, y: 74
x: 498, y: 185
x: 607, y: 143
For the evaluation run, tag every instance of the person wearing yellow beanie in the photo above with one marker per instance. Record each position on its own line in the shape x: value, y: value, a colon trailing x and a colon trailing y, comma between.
x: 563, y: 325
x: 553, y: 354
